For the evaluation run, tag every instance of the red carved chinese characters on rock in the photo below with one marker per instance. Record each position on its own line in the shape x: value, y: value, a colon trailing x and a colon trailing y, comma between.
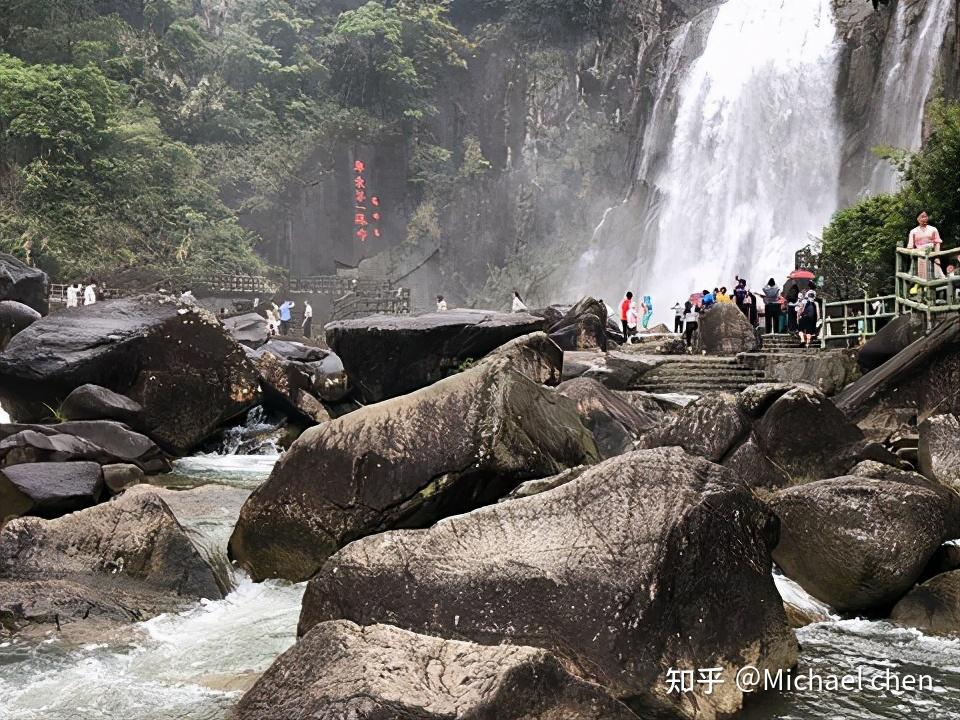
x: 364, y: 226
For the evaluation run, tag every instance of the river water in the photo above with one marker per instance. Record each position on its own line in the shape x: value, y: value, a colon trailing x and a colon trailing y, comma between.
x: 194, y: 665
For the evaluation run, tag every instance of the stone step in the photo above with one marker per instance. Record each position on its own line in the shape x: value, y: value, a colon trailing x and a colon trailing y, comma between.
x: 693, y: 389
x: 739, y: 374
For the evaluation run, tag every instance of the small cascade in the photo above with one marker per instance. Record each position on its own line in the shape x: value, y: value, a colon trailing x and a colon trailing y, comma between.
x: 910, y: 56
x: 259, y: 435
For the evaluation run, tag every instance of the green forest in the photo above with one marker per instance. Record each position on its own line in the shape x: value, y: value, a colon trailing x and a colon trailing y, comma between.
x: 137, y: 134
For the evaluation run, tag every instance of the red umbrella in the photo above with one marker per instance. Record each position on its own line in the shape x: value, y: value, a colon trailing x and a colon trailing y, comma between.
x: 801, y: 275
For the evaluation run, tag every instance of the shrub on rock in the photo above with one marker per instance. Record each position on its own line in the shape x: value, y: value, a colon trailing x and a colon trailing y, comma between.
x: 649, y: 561
x: 341, y: 670
x: 460, y: 443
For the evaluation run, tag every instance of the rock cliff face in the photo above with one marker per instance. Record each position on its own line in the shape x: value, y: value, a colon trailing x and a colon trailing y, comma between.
x: 560, y: 108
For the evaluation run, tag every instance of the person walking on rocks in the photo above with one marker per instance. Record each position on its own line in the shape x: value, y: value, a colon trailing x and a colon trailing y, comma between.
x: 307, y: 319
x: 809, y: 318
x: 285, y: 309
x: 624, y: 312
x: 518, y: 305
x: 272, y: 320
x: 90, y: 294
x: 771, y: 309
x: 441, y: 304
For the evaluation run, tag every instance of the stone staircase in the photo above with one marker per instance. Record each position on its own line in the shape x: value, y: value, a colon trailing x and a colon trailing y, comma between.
x: 698, y: 375
x: 786, y: 342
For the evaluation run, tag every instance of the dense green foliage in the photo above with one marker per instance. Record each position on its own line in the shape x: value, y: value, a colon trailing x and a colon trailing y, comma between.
x: 136, y: 133
x: 858, y: 252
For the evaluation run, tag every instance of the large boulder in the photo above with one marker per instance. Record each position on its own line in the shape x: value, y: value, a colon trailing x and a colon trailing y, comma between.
x: 939, y: 451
x: 14, y: 317
x: 390, y: 355
x: 748, y: 463
x: 251, y: 329
x: 614, y: 422
x: 583, y: 327
x: 830, y: 371
x: 175, y: 361
x: 458, y: 444
x: 615, y: 369
x: 709, y: 427
x: 933, y: 607
x: 724, y: 330
x: 48, y: 489
x: 649, y: 561
x: 859, y: 544
x: 535, y: 355
x: 130, y: 553
x: 92, y: 402
x: 805, y: 434
x: 23, y: 284
x: 341, y: 670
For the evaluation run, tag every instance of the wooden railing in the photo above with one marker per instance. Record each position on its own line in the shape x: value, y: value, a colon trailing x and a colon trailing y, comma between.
x: 234, y: 283
x: 395, y: 302
x: 921, y: 284
x: 854, y: 319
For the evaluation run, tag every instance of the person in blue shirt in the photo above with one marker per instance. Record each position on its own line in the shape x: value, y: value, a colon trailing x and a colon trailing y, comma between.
x: 708, y: 299
x: 285, y: 309
x: 647, y: 311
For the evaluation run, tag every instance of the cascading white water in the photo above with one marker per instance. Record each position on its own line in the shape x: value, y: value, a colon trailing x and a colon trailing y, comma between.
x: 910, y: 56
x: 753, y: 168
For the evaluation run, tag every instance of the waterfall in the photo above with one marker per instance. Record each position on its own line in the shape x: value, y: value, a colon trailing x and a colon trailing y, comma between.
x: 753, y: 167
x: 910, y: 56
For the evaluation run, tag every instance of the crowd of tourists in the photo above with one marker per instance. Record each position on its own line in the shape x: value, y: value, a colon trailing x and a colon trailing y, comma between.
x: 792, y: 308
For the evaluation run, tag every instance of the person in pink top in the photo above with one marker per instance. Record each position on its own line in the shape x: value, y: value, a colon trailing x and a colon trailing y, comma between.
x: 924, y: 236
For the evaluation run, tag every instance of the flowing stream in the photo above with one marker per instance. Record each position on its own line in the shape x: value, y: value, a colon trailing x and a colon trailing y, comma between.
x: 191, y: 665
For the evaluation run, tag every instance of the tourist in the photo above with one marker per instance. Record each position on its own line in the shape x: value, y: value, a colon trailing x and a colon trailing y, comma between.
x: 793, y: 297
x: 782, y: 325
x: 708, y: 300
x: 73, y: 295
x: 272, y: 320
x: 441, y: 304
x: 690, y: 323
x: 307, y: 324
x: 187, y: 296
x: 518, y: 304
x: 749, y: 306
x: 677, y: 318
x: 624, y: 310
x: 771, y: 309
x: 809, y: 318
x: 90, y: 294
x: 723, y: 297
x: 633, y: 321
x: 285, y: 309
x: 647, y: 311
x: 924, y: 237
x: 739, y: 295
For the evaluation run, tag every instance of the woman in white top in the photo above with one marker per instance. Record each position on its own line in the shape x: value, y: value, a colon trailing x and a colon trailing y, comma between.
x: 90, y: 294
x: 518, y: 304
x: 924, y: 237
x: 73, y: 296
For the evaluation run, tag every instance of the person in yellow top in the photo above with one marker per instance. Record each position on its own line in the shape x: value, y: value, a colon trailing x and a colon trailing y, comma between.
x: 723, y: 297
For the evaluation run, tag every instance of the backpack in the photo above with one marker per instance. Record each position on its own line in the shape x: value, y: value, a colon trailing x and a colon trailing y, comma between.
x: 810, y: 309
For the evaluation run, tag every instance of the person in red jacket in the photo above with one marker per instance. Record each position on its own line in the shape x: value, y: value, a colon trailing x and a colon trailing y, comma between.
x: 624, y: 311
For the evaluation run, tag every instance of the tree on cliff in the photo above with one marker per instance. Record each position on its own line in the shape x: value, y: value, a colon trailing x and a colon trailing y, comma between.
x: 859, y: 244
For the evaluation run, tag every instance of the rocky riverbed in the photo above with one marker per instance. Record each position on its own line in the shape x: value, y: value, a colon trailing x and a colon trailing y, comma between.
x: 505, y: 536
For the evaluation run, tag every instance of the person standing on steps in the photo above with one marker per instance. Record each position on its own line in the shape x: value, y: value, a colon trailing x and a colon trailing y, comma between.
x: 677, y: 318
x: 647, y: 311
x: 771, y: 309
x: 809, y: 318
x: 307, y: 319
x: 624, y: 312
x: 690, y: 323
